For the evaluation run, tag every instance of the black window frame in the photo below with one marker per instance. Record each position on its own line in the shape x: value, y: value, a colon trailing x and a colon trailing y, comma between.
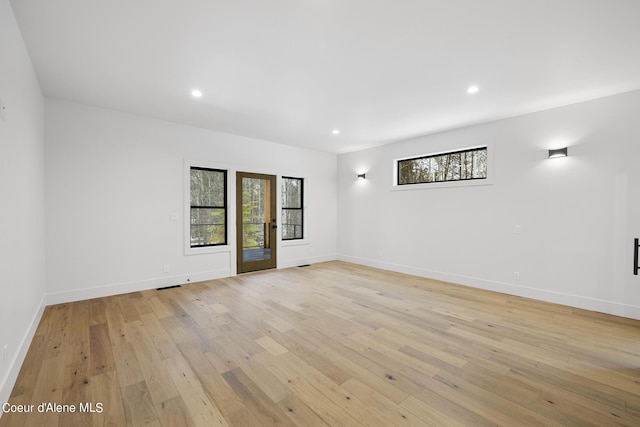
x: 224, y: 207
x: 301, y: 209
x: 429, y: 156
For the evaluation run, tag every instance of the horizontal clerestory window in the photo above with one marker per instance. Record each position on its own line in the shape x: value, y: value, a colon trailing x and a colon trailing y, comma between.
x: 460, y: 165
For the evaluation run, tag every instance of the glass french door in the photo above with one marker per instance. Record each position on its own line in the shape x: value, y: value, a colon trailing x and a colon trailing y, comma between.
x: 256, y: 221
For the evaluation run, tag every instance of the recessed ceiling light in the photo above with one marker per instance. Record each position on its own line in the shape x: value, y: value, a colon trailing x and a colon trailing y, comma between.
x: 196, y: 93
x: 335, y: 131
x: 473, y: 89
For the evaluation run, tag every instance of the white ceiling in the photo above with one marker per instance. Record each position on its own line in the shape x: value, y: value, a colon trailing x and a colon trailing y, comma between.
x: 290, y: 71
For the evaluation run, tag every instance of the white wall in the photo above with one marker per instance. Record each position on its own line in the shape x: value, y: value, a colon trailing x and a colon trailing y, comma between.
x: 22, y: 283
x: 114, y: 179
x: 577, y: 214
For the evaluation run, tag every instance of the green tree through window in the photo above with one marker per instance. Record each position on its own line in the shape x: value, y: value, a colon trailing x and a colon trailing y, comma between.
x: 253, y: 213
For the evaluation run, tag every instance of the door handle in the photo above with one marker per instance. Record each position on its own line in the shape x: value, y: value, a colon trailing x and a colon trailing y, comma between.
x: 636, y: 250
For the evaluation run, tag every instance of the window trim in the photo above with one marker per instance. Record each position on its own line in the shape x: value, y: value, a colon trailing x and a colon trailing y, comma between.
x: 447, y: 184
x: 301, y: 209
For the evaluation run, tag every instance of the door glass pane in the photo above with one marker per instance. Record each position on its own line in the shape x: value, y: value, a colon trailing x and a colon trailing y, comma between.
x: 255, y: 219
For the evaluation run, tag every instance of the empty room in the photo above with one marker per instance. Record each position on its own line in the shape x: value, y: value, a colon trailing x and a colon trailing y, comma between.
x: 320, y: 213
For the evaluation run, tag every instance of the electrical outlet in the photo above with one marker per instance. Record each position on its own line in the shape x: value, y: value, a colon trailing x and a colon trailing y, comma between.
x: 516, y: 275
x: 517, y: 229
x: 165, y: 268
x: 3, y: 110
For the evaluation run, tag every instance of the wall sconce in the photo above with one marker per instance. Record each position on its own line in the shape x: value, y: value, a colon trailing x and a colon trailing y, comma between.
x: 361, y: 176
x: 558, y: 152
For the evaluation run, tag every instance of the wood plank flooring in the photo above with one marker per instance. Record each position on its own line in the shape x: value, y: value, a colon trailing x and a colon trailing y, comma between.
x: 333, y: 344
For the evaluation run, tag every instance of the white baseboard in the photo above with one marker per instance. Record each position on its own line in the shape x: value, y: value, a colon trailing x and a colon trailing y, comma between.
x: 9, y: 380
x: 306, y: 260
x: 141, y: 285
x: 577, y: 301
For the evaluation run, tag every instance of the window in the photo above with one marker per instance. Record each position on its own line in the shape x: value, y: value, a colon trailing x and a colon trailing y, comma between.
x: 292, y: 211
x: 461, y: 165
x: 208, y: 207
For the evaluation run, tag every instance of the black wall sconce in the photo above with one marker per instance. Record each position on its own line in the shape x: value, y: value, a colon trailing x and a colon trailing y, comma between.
x: 558, y: 152
x: 362, y: 176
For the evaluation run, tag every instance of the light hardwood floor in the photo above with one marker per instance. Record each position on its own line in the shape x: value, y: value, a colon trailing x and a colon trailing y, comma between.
x: 331, y: 344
